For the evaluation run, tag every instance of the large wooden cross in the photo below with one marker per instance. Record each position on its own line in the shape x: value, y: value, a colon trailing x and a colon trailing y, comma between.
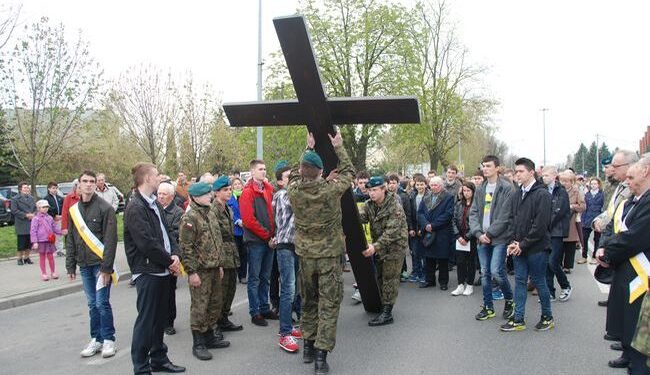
x: 320, y: 113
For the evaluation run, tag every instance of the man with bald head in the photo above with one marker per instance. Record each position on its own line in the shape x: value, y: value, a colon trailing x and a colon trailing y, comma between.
x: 621, y: 162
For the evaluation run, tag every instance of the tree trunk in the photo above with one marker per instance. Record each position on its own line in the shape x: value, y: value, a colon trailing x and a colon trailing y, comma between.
x: 434, y: 160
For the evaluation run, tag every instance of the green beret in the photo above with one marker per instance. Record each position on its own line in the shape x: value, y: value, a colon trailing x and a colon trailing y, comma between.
x: 281, y: 164
x: 220, y: 183
x: 312, y: 158
x: 375, y: 181
x: 606, y: 161
x: 199, y: 188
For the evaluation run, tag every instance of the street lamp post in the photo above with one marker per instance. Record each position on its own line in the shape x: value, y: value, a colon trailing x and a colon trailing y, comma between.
x: 544, y: 110
x: 260, y: 138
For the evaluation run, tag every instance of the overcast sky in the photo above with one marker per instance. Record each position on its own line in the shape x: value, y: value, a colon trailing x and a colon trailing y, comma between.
x: 584, y: 60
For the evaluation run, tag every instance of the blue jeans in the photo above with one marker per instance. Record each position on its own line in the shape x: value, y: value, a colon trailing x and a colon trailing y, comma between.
x: 416, y: 257
x: 535, y: 266
x: 493, y: 264
x: 288, y: 267
x: 260, y: 262
x: 554, y: 268
x: 99, y: 306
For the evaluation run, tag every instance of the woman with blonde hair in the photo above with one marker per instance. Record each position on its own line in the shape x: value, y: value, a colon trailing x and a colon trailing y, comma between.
x: 577, y: 205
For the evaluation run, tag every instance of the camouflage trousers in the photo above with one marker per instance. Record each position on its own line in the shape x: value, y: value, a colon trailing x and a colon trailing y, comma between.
x: 388, y: 272
x: 228, y: 288
x: 206, y: 301
x: 322, y: 292
x: 641, y: 340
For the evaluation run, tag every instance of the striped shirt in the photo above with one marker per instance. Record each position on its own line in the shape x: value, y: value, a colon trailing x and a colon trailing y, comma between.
x: 285, y: 230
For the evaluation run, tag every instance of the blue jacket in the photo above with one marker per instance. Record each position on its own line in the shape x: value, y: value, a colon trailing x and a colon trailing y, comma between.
x: 440, y: 215
x: 233, y: 203
x: 594, y: 208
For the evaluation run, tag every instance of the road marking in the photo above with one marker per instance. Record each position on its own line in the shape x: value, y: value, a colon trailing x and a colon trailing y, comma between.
x: 127, y: 350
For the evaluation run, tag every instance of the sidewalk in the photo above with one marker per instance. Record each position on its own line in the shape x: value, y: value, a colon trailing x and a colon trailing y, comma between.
x: 22, y: 285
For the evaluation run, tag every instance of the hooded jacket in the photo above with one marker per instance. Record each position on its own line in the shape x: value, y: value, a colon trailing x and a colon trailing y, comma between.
x: 531, y: 219
x: 255, y: 206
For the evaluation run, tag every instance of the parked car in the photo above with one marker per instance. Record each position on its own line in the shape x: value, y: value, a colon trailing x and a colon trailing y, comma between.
x: 66, y: 187
x: 6, y: 218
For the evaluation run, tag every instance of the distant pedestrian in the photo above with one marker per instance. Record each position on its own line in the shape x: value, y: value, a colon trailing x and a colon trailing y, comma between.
x: 56, y: 209
x: 23, y: 208
x: 466, y: 244
x: 594, y: 201
x: 43, y: 235
x: 106, y: 192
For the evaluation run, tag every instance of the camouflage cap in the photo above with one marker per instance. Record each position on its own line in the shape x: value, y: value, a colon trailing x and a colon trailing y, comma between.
x: 199, y: 188
x: 220, y: 183
x: 312, y: 158
x: 375, y: 181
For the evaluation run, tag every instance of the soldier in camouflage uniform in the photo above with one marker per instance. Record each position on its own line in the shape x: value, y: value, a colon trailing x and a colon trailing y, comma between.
x: 201, y: 245
x: 389, y: 233
x: 229, y: 256
x: 319, y: 242
x: 641, y: 341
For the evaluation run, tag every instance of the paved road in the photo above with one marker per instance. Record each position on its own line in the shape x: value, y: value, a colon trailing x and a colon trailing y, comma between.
x: 434, y: 333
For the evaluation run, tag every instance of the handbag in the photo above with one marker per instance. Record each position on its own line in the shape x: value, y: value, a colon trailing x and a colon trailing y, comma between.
x: 51, y: 238
x: 428, y: 239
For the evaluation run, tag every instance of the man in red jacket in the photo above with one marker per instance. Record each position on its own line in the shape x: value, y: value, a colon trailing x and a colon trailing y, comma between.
x: 256, y: 209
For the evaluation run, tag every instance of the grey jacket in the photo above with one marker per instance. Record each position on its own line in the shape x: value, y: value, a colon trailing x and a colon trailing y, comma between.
x: 499, y: 230
x: 22, y: 205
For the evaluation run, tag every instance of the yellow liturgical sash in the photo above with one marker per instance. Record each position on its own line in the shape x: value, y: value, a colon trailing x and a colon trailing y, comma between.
x: 639, y: 262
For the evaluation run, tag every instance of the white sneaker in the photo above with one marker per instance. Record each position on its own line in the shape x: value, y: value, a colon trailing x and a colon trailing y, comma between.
x: 92, y: 348
x: 108, y: 349
x: 469, y: 290
x: 459, y: 290
x: 356, y: 295
x: 565, y: 294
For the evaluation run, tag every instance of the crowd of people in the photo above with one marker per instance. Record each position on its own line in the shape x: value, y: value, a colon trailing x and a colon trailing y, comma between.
x: 280, y: 235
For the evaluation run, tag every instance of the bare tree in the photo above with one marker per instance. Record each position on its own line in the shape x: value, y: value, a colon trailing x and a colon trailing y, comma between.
x: 8, y: 21
x: 199, y: 114
x: 49, y: 84
x: 144, y: 99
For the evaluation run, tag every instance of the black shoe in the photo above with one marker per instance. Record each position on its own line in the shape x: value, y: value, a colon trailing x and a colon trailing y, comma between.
x: 20, y: 262
x: 170, y: 331
x: 426, y: 285
x: 259, y: 320
x: 216, y: 331
x: 227, y: 326
x: 213, y: 342
x: 386, y: 317
x: 617, y: 346
x: 167, y: 367
x: 545, y: 323
x: 199, y: 350
x: 270, y: 315
x: 602, y: 303
x: 320, y: 365
x: 443, y: 287
x: 619, y: 362
x: 485, y: 314
x: 509, y: 310
x: 308, y: 351
x: 28, y: 261
x: 609, y: 337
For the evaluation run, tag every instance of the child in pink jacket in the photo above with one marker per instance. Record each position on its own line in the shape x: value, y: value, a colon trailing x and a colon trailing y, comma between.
x: 42, y: 233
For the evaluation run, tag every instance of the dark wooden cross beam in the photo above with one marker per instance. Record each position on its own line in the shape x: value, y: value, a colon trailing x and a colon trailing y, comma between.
x: 320, y: 114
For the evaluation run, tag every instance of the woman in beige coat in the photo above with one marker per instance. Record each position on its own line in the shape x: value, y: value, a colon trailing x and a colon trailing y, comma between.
x: 577, y: 205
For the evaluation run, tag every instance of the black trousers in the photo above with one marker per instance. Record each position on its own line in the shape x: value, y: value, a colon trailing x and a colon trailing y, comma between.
x: 443, y: 270
x: 569, y: 256
x: 586, y: 232
x: 465, y: 266
x: 243, y: 257
x: 274, y: 287
x: 638, y: 362
x: 172, y: 301
x: 148, y: 331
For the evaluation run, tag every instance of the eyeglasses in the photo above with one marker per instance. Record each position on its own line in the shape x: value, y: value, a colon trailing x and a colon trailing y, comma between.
x: 620, y: 165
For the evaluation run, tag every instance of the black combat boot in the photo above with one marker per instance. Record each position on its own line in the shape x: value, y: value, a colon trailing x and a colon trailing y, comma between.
x: 227, y: 326
x: 198, y: 348
x: 308, y: 351
x: 213, y: 342
x: 217, y: 333
x: 386, y: 317
x: 320, y: 366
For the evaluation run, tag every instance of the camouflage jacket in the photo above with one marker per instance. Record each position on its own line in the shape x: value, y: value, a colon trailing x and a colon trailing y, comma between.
x: 641, y: 340
x: 200, y: 239
x: 317, y: 210
x: 387, y: 227
x: 229, y: 255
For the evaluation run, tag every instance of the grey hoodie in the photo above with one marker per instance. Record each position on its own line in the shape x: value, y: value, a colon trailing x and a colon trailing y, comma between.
x: 499, y: 230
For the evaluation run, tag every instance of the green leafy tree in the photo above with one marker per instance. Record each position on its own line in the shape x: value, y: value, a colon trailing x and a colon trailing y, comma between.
x: 580, y: 159
x: 49, y: 84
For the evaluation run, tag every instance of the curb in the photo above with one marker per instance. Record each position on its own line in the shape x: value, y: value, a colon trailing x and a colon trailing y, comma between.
x: 45, y: 294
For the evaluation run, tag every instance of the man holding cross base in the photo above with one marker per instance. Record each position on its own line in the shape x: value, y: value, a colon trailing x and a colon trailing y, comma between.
x: 319, y: 242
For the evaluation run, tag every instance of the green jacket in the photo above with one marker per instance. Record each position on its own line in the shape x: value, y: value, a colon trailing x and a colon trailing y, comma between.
x: 387, y: 227
x: 641, y: 341
x: 317, y: 210
x: 200, y: 239
x: 229, y: 255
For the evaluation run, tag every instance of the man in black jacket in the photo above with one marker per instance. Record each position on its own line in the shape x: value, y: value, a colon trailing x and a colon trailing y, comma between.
x: 152, y: 257
x: 56, y: 209
x: 560, y: 221
x: 530, y: 220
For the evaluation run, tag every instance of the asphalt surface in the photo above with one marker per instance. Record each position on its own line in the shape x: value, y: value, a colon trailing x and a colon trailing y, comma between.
x: 433, y: 333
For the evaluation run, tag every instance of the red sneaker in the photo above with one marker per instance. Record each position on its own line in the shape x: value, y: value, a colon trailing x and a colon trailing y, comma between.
x: 296, y: 333
x: 288, y: 343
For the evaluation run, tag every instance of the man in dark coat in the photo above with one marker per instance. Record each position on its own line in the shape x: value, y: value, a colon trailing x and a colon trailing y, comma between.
x: 625, y: 247
x: 435, y: 216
